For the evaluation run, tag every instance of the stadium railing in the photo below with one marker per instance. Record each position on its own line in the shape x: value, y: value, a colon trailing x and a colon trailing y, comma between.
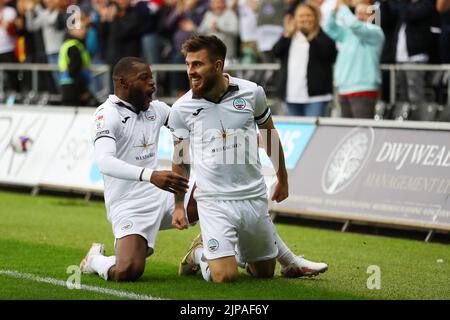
x: 393, y: 68
x: 99, y: 71
x: 103, y: 72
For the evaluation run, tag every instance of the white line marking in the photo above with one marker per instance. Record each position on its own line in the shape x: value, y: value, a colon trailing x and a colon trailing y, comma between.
x: 56, y: 282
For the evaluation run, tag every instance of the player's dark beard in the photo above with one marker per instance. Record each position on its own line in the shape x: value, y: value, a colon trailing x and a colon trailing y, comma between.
x: 208, y: 83
x: 137, y: 99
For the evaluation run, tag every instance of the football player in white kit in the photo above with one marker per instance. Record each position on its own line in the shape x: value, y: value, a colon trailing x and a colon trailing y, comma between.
x: 125, y: 141
x: 217, y: 121
x: 125, y: 137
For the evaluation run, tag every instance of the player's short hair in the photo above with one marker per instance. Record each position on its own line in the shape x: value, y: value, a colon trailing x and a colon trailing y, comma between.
x: 215, y: 47
x: 125, y: 66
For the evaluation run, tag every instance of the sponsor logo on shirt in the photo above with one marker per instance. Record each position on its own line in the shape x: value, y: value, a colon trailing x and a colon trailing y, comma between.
x: 102, y: 132
x: 224, y: 134
x: 224, y: 148
x: 145, y: 156
x: 100, y: 122
x: 145, y: 144
x: 196, y: 113
x: 125, y: 120
x: 239, y: 103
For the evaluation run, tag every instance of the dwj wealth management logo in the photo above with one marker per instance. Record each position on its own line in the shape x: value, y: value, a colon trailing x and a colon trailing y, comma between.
x: 347, y: 160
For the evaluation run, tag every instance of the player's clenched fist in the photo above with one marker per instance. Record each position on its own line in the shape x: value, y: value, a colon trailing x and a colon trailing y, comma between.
x: 170, y: 181
x: 281, y: 192
x: 179, y: 218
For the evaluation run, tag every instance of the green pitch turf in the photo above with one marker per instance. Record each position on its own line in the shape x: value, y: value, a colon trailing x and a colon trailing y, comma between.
x: 43, y: 236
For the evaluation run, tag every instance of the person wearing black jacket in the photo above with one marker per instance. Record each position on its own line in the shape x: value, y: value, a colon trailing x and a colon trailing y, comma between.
x: 121, y: 28
x: 412, y: 44
x: 150, y: 14
x: 443, y: 7
x: 388, y: 22
x: 307, y: 55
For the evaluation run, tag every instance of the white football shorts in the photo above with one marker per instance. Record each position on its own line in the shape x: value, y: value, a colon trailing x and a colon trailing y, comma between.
x: 242, y: 224
x: 145, y: 217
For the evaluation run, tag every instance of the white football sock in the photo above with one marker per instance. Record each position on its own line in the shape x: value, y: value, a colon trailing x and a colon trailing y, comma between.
x: 204, y: 267
x: 241, y: 263
x: 206, y: 273
x: 102, y: 264
x: 198, y: 255
x: 285, y: 256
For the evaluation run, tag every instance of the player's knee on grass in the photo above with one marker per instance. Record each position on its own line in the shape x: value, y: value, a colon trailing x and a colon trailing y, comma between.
x: 223, y: 276
x: 130, y: 270
x: 262, y: 269
x: 131, y: 254
x: 223, y: 269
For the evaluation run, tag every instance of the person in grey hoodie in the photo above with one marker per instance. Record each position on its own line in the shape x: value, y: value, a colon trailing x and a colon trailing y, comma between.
x: 223, y: 23
x: 46, y: 19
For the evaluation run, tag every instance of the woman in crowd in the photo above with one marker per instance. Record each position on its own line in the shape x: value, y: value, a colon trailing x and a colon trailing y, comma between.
x: 307, y: 55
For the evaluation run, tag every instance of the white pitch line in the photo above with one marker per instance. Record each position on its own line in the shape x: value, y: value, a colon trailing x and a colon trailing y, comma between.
x: 56, y: 282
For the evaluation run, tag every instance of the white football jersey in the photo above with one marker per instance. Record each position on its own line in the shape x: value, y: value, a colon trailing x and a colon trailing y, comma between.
x: 223, y: 140
x: 136, y: 136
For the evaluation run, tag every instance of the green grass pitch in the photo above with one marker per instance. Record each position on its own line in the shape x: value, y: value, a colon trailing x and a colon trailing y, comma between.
x: 44, y: 235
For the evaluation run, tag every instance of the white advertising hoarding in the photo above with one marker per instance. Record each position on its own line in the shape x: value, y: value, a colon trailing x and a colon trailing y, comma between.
x: 46, y: 127
x: 73, y: 166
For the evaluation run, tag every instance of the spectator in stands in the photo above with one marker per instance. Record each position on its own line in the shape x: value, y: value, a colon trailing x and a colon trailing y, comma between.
x: 150, y: 12
x: 166, y: 31
x: 443, y: 7
x: 8, y: 43
x: 121, y: 28
x: 223, y: 23
x: 326, y: 9
x: 29, y: 49
x: 183, y: 20
x: 270, y: 17
x: 270, y: 25
x: 247, y: 17
x: 357, y: 72
x: 307, y: 56
x: 95, y: 44
x: 412, y: 45
x: 388, y: 23
x: 74, y: 63
x: 45, y: 19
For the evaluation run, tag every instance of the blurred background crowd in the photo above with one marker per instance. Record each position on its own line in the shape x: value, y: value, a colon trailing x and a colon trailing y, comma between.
x: 329, y: 51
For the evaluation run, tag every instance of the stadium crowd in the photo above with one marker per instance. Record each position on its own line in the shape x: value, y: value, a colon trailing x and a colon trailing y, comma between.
x: 317, y: 42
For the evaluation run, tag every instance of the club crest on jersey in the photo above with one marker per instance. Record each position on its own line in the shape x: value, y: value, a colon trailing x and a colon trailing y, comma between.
x: 239, y: 103
x: 150, y: 115
x: 100, y: 122
x: 213, y: 245
x: 126, y: 225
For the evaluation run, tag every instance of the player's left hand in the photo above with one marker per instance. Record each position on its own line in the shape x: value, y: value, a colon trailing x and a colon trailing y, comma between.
x: 170, y: 181
x: 281, y: 192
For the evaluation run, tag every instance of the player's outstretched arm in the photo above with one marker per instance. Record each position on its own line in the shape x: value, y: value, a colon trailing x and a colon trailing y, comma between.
x: 170, y: 181
x: 272, y: 145
x: 109, y: 164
